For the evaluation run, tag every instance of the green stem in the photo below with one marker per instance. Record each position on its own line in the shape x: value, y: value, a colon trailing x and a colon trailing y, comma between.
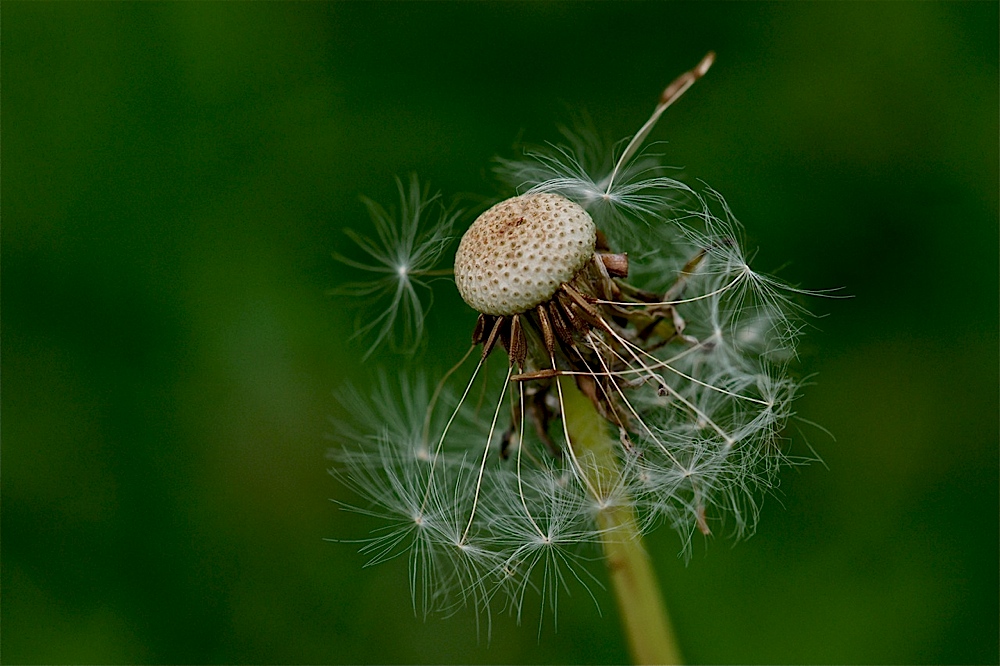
x: 643, y: 614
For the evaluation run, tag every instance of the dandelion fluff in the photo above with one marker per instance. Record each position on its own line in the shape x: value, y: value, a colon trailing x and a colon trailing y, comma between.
x: 656, y: 321
x: 405, y: 254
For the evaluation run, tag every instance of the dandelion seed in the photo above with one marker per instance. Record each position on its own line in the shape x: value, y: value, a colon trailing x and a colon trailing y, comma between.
x: 407, y: 252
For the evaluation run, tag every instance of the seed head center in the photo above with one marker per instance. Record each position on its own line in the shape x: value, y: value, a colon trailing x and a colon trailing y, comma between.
x: 517, y: 254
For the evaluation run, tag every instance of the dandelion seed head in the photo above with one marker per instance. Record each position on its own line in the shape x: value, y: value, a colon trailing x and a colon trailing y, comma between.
x: 517, y: 253
x: 604, y: 270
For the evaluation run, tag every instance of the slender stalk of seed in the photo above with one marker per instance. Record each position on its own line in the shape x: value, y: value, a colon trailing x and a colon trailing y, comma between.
x: 643, y: 614
x: 486, y: 453
x: 670, y: 95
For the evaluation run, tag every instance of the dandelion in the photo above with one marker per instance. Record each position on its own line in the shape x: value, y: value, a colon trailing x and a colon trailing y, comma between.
x: 643, y: 381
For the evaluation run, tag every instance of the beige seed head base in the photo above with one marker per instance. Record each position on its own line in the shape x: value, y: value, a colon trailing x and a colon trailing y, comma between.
x: 516, y: 254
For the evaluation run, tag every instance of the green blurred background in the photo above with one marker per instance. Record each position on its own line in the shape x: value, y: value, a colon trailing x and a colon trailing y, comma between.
x: 177, y: 175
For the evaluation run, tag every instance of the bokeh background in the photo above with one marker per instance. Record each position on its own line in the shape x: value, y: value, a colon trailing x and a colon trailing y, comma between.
x: 175, y: 177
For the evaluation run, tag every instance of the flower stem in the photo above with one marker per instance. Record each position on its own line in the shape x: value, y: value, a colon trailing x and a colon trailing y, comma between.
x: 640, y: 605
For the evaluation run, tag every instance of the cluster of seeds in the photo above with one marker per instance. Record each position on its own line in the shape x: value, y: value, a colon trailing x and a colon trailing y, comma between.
x: 685, y: 358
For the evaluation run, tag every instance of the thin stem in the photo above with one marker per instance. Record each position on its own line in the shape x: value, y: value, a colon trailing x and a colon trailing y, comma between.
x: 644, y: 617
x: 444, y: 434
x: 520, y: 448
x: 486, y: 453
x: 668, y: 97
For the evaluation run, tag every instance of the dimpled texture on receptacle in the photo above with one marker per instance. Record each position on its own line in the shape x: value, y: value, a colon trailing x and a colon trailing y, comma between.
x: 518, y: 253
